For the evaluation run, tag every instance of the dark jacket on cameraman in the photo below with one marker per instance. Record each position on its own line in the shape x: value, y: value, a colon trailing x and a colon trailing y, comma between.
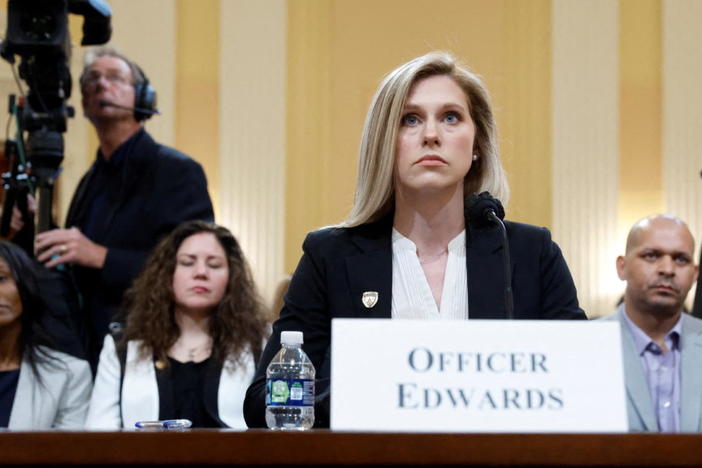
x: 128, y: 206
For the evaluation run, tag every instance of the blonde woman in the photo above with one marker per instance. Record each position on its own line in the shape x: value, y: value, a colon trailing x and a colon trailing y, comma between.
x: 410, y: 248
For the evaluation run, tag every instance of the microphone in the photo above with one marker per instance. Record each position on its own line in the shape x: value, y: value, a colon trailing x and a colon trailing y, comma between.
x: 104, y: 103
x: 484, y: 210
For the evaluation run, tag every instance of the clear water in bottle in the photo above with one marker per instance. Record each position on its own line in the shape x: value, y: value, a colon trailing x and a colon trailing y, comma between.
x: 290, y: 386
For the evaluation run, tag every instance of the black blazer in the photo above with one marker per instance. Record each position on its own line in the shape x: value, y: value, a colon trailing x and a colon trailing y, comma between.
x: 161, y: 188
x: 339, y: 264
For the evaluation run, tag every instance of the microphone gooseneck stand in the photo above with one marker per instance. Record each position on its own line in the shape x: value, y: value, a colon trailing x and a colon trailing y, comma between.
x: 509, y: 299
x: 483, y: 210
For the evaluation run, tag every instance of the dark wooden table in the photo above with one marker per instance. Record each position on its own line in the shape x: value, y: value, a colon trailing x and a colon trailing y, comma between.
x: 320, y: 447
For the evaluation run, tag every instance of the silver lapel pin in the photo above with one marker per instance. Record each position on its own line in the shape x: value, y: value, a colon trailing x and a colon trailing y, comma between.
x: 369, y: 299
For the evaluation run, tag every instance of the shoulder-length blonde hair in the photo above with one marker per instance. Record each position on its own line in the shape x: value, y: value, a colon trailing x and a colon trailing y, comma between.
x: 375, y: 186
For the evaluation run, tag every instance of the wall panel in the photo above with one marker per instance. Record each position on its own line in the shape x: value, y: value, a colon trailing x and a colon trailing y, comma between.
x: 586, y: 146
x: 197, y: 86
x: 682, y: 112
x: 252, y: 77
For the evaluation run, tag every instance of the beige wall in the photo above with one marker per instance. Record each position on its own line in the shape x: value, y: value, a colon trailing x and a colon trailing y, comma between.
x: 591, y: 124
x: 339, y: 51
x: 682, y: 111
x: 596, y: 103
x: 196, y: 119
x: 251, y: 160
x: 586, y: 145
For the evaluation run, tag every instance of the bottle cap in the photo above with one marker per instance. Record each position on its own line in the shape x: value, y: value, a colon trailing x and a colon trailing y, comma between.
x: 291, y: 338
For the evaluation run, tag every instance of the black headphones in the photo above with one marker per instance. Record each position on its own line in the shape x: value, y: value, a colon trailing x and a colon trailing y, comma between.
x: 144, y: 97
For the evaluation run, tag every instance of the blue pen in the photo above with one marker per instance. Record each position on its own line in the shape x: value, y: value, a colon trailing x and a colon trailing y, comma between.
x: 165, y: 424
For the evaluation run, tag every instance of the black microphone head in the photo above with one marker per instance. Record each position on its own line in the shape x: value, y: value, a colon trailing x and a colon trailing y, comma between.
x: 478, y: 206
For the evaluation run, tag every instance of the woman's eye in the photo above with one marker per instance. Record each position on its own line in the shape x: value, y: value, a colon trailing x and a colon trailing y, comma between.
x: 452, y: 117
x: 185, y: 262
x: 410, y: 120
x: 215, y: 265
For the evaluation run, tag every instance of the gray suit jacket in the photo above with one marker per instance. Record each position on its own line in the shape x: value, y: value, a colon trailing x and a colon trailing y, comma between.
x: 642, y: 417
x: 60, y: 401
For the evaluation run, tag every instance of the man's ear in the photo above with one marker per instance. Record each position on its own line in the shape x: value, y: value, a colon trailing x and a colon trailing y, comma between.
x: 621, y: 264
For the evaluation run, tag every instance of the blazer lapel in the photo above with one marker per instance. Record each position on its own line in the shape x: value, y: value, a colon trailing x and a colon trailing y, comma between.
x: 370, y: 271
x: 35, y: 405
x: 636, y: 385
x: 486, y: 279
x: 211, y: 391
x: 26, y: 406
x: 690, y: 375
x: 140, y: 391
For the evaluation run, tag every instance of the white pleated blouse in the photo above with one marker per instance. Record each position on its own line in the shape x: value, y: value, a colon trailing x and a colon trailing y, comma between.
x: 411, y: 294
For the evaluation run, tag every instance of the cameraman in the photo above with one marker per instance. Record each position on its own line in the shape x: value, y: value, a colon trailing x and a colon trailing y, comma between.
x: 135, y: 192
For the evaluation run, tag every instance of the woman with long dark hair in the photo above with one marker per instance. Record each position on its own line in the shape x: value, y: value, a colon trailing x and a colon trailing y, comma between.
x: 195, y: 327
x: 40, y: 387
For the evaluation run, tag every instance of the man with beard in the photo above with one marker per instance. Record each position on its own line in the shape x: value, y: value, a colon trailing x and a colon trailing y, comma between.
x: 662, y: 344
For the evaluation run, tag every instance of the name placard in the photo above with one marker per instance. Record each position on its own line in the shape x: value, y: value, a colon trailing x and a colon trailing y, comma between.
x: 477, y: 376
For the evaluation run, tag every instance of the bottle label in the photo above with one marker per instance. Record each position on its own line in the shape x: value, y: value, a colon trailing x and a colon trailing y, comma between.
x: 290, y: 392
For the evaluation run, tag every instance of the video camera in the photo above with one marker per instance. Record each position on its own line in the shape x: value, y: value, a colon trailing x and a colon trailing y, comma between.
x: 37, y: 31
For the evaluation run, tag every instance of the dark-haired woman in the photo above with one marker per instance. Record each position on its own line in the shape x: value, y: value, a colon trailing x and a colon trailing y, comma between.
x: 195, y: 326
x: 40, y: 387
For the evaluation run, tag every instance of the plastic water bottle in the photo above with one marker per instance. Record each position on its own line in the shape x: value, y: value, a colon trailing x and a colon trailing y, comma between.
x: 290, y: 386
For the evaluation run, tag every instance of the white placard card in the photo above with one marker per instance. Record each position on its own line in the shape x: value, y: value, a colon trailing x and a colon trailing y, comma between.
x: 477, y: 376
